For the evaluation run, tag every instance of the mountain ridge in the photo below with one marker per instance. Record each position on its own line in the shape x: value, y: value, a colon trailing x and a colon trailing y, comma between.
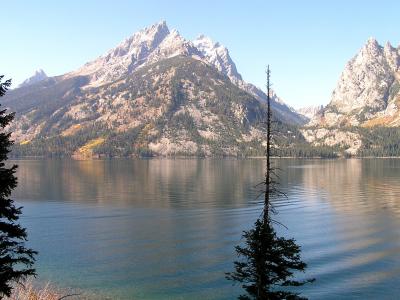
x: 157, y: 42
x: 154, y: 93
x: 98, y: 106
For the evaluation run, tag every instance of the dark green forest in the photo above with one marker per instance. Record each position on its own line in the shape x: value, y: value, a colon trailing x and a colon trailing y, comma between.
x: 380, y: 141
x: 376, y: 142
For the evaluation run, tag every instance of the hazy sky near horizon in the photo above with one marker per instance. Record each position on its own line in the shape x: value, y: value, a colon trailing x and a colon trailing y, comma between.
x: 306, y: 43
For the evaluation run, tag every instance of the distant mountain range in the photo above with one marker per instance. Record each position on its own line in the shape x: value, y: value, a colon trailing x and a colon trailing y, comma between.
x: 157, y: 93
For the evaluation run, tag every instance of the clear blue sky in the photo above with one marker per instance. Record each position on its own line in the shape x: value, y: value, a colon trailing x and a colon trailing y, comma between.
x: 307, y: 43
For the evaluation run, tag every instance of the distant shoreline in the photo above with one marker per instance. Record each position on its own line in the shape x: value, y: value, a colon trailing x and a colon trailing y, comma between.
x: 194, y: 157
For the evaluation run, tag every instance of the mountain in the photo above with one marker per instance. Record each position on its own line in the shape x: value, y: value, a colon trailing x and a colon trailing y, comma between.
x: 218, y: 56
x: 35, y: 78
x: 368, y: 91
x: 310, y: 111
x: 367, y: 95
x: 154, y: 94
x: 156, y: 43
x: 143, y: 48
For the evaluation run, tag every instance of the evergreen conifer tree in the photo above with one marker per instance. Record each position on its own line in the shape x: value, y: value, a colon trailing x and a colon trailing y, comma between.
x: 267, y: 262
x: 16, y: 260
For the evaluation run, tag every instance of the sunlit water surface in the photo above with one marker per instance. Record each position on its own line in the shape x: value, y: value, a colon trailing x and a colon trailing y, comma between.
x: 166, y: 229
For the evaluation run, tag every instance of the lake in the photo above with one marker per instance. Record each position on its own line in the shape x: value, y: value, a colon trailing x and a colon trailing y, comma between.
x: 166, y: 228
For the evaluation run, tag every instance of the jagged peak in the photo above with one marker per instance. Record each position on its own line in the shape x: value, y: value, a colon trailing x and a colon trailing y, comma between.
x: 389, y: 49
x: 370, y: 50
x: 205, y: 43
x: 157, y: 42
x: 175, y: 34
x: 365, y: 87
x: 154, y: 33
x: 40, y: 71
x: 175, y: 41
x: 156, y: 27
x: 39, y: 75
x: 372, y: 44
x: 372, y: 40
x: 161, y: 23
x: 210, y: 48
x: 217, y: 55
x: 388, y: 45
x: 132, y: 49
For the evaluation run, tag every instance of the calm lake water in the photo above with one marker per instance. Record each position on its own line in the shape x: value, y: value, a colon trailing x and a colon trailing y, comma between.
x: 166, y: 229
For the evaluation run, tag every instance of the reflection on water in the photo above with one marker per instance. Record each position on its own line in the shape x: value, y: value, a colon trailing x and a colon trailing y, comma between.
x: 157, y: 229
x: 144, y: 183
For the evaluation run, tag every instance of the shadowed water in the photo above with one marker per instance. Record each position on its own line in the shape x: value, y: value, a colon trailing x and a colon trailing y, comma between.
x: 166, y: 229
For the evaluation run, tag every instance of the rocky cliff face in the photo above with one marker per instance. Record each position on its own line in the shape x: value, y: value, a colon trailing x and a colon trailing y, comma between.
x: 367, y: 93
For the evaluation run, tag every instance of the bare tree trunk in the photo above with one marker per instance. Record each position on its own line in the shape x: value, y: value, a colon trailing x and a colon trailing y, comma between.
x: 268, y: 153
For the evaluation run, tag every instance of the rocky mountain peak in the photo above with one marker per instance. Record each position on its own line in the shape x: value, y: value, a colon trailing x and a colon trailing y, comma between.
x: 372, y: 42
x: 125, y: 57
x: 173, y: 45
x: 38, y: 76
x: 388, y: 46
x: 365, y: 80
x: 40, y: 72
x: 152, y: 44
x: 155, y: 91
x: 204, y: 43
x: 367, y: 88
x: 156, y: 43
x: 140, y: 42
x: 218, y: 55
x: 151, y: 35
x: 371, y: 49
x: 393, y: 57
